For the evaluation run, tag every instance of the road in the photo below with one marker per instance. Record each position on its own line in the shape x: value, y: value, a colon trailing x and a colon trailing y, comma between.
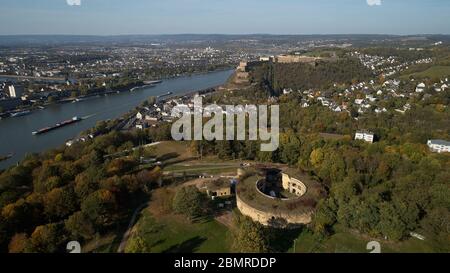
x: 32, y: 78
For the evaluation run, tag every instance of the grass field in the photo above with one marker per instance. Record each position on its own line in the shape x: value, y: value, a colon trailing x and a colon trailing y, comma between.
x: 344, y: 241
x: 203, y: 168
x: 432, y: 72
x: 173, y: 234
x: 173, y: 149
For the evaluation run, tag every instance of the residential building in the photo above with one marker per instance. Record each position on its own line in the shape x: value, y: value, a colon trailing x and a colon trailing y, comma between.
x: 365, y: 135
x: 439, y: 146
x: 420, y: 87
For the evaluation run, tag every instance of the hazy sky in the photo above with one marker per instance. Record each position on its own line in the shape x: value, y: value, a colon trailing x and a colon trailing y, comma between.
x: 106, y: 17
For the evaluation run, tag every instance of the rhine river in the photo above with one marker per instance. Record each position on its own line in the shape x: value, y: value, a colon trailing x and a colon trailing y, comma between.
x: 16, y: 133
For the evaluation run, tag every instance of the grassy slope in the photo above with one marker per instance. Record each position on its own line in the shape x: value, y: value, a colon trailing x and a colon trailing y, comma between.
x: 344, y: 241
x: 432, y: 72
x: 172, y: 234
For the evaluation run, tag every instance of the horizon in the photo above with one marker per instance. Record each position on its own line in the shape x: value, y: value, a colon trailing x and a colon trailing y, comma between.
x: 232, y: 17
x: 231, y: 34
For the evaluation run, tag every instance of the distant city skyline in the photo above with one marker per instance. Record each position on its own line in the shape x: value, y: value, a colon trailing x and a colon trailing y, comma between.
x: 118, y: 17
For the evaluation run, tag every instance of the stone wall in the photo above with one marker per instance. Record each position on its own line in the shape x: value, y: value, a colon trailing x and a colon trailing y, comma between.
x: 286, y: 59
x: 275, y: 219
x: 293, y: 185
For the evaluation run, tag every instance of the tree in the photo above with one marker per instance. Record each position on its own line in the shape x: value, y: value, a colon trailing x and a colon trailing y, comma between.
x: 79, y: 226
x: 250, y: 237
x: 317, y: 157
x: 60, y: 203
x: 147, y: 178
x: 17, y: 215
x: 4, y: 233
x: 53, y: 183
x: 47, y: 238
x: 59, y: 157
x: 100, y: 207
x: 96, y: 157
x: 87, y: 182
x: 290, y: 148
x: 390, y: 223
x: 19, y: 243
x: 137, y: 245
x: 42, y: 175
x: 325, y: 217
x: 189, y: 202
x: 345, y: 190
x: 120, y: 166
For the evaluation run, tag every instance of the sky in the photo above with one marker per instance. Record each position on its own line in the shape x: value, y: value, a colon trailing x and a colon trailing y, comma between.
x: 118, y: 17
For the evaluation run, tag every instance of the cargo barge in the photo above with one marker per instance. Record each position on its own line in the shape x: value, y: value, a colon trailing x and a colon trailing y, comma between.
x: 57, y: 126
x: 20, y: 114
x: 152, y: 82
x: 165, y: 95
x: 6, y: 157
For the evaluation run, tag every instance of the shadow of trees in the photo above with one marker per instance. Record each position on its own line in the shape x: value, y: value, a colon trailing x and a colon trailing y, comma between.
x: 188, y: 246
x: 281, y: 240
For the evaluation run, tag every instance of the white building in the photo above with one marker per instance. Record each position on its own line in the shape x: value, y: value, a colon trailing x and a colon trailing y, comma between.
x: 439, y: 146
x: 14, y: 91
x: 337, y: 109
x: 420, y: 87
x: 287, y: 91
x: 365, y: 135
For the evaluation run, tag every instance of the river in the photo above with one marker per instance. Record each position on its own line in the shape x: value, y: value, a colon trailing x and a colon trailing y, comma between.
x: 15, y: 133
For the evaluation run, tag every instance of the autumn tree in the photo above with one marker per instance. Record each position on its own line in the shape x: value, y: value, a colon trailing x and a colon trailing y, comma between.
x: 79, y: 226
x: 189, y: 201
x: 47, y: 238
x: 88, y: 182
x: 100, y: 207
x: 250, y: 237
x: 137, y: 244
x: 20, y: 243
x: 60, y: 202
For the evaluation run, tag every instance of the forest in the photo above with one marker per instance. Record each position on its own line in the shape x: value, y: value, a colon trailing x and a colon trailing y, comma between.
x: 71, y: 193
x: 387, y: 189
x: 302, y: 76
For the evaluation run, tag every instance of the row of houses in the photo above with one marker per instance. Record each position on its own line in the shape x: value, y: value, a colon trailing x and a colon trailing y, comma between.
x: 435, y: 145
x: 386, y: 66
x: 368, y: 97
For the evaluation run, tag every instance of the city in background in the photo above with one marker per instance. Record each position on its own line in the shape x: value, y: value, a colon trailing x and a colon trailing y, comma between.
x: 87, y: 92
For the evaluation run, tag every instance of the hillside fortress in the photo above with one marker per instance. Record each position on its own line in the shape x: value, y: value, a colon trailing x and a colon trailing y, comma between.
x: 280, y: 198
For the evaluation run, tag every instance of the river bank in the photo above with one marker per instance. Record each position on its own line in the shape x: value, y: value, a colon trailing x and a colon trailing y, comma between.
x: 27, y: 110
x: 3, y: 158
x: 16, y: 132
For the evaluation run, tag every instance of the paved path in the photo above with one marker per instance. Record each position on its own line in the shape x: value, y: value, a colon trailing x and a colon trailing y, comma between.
x: 128, y: 233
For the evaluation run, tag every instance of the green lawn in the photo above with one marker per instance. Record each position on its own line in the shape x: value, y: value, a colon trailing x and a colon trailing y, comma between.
x: 432, y: 72
x: 199, y: 169
x: 172, y: 234
x: 345, y: 242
